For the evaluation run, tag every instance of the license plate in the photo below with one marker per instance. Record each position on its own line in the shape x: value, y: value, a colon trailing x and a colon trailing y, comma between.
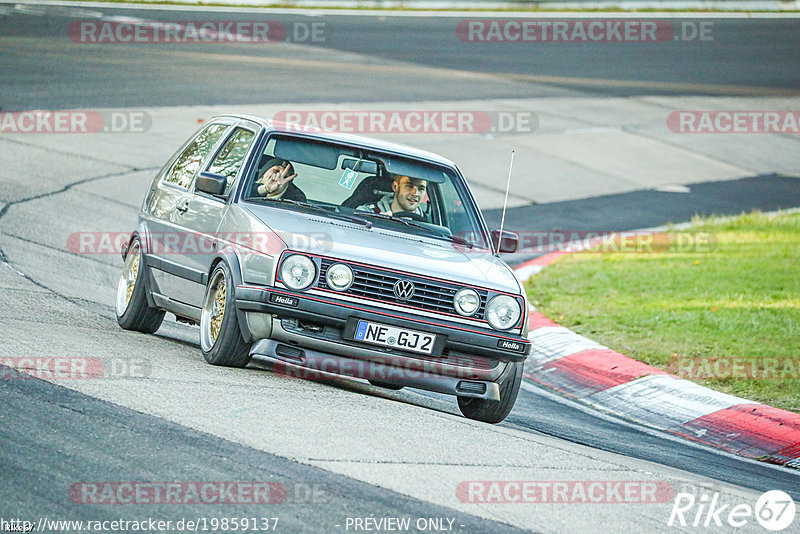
x: 391, y: 336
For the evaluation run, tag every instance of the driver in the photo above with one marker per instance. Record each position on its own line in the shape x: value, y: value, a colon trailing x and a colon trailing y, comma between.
x: 407, y: 193
x: 277, y: 181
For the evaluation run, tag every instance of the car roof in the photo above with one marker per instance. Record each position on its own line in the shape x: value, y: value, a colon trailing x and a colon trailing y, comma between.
x: 347, y: 139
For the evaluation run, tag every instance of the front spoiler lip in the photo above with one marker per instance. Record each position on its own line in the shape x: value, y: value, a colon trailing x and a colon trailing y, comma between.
x: 316, y: 361
x: 462, y: 339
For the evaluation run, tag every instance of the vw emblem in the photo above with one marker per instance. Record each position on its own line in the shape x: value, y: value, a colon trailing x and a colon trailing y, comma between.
x: 404, y: 289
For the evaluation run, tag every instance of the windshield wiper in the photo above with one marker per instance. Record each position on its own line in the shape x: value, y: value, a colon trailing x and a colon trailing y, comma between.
x: 318, y: 209
x: 459, y: 240
x: 407, y: 222
x: 411, y: 222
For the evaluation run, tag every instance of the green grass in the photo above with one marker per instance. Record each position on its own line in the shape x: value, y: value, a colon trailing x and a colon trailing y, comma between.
x: 738, y: 298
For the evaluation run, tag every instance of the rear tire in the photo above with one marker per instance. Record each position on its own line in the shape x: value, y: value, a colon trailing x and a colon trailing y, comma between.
x: 491, y: 411
x: 221, y: 339
x: 133, y: 311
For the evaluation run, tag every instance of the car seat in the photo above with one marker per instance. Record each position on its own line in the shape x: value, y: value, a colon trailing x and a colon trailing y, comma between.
x: 370, y: 190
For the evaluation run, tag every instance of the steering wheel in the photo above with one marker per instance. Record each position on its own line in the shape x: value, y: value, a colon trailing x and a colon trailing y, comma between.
x: 410, y: 215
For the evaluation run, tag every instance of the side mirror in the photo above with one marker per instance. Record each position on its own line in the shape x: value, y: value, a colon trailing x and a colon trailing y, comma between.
x: 211, y: 183
x: 509, y: 242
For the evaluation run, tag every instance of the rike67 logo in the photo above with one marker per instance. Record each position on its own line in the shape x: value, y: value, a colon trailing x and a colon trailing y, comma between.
x: 774, y: 510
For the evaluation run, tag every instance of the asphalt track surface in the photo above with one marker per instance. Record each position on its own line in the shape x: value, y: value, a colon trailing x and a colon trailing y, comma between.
x: 53, y: 436
x: 41, y: 464
x: 42, y: 71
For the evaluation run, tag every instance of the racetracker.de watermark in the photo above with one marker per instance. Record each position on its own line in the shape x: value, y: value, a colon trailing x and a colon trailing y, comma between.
x: 74, y: 122
x: 72, y: 367
x: 606, y: 242
x: 582, y: 31
x: 198, y: 492
x: 134, y: 492
x: 391, y: 369
x: 409, y: 121
x: 733, y: 368
x: 183, y: 243
x: 564, y: 491
x: 196, y: 31
x: 186, y: 242
x: 734, y: 122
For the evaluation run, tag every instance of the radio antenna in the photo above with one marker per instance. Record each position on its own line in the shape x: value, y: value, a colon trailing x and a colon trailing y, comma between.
x: 505, y: 201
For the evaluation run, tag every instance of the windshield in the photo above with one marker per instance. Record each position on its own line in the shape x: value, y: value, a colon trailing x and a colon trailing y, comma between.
x: 400, y: 194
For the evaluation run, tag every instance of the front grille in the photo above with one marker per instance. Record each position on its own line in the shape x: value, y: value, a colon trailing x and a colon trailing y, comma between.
x: 377, y: 284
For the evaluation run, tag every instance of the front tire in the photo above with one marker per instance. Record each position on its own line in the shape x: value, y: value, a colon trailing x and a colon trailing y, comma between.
x: 133, y: 311
x: 220, y: 337
x: 491, y: 411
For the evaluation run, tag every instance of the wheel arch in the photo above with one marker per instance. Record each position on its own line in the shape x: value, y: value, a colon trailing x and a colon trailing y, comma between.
x: 141, y: 233
x: 231, y: 259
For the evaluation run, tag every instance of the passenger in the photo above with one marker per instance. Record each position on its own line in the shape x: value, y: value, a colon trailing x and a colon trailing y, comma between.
x: 407, y: 193
x: 277, y: 181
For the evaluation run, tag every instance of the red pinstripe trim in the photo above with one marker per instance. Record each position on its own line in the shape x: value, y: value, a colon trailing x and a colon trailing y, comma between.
x: 523, y: 310
x: 406, y: 273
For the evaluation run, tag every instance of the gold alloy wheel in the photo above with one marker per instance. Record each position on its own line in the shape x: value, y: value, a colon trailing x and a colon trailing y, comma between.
x: 128, y: 279
x: 218, y: 310
x: 131, y: 275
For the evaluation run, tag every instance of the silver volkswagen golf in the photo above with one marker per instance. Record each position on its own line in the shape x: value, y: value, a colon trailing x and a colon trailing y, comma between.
x: 329, y: 254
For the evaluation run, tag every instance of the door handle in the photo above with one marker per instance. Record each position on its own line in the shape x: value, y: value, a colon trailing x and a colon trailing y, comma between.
x: 182, y: 208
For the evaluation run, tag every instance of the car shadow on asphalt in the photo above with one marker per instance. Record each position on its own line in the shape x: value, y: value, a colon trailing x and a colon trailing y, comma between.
x: 353, y: 385
x: 188, y: 336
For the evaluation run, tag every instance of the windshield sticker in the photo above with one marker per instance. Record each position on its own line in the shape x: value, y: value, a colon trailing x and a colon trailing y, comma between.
x: 348, y: 179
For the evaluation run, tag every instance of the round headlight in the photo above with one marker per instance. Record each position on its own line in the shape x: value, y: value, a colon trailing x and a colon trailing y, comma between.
x: 502, y: 312
x: 467, y: 301
x: 298, y: 272
x: 339, y: 277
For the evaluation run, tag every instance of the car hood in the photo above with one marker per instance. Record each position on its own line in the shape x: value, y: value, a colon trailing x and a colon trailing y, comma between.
x: 317, y: 234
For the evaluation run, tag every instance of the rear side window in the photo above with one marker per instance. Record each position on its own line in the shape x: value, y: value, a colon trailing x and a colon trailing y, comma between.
x: 230, y: 158
x: 187, y: 164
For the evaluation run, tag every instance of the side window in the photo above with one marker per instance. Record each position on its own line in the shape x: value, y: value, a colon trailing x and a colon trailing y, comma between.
x: 185, y: 167
x: 456, y: 214
x: 230, y: 158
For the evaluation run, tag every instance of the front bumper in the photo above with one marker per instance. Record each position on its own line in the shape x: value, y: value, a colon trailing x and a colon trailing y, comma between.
x: 317, y: 333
